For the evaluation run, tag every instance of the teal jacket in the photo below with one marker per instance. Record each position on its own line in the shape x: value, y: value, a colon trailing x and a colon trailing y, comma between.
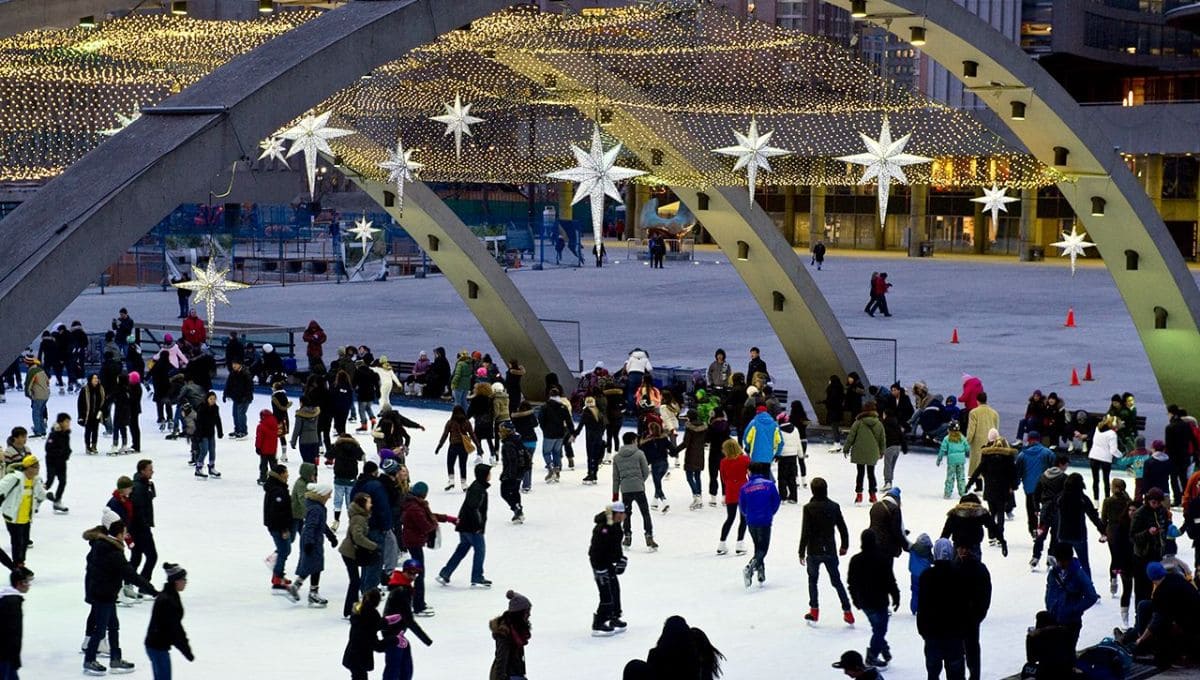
x: 955, y: 453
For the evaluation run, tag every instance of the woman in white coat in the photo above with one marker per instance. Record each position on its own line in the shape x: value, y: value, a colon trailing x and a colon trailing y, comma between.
x: 387, y: 378
x: 1104, y: 450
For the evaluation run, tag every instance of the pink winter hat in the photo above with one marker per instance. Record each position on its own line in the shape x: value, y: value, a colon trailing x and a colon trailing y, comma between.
x: 134, y: 378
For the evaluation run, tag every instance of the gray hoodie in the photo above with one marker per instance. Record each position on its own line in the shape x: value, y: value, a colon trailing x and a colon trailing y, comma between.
x: 630, y: 470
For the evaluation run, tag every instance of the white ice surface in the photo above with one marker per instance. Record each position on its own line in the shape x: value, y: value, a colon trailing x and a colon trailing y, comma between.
x: 238, y: 629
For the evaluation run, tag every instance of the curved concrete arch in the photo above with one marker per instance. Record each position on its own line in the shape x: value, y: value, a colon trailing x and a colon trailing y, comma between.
x: 1151, y: 275
x: 62, y: 239
x: 802, y: 319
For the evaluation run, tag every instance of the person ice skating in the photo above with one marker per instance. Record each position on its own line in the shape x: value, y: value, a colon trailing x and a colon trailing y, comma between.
x: 1116, y: 516
x: 277, y: 518
x: 1104, y: 450
x: 208, y: 430
x: 58, y: 452
x: 312, y: 548
x: 399, y: 617
x: 920, y: 558
x: 306, y: 433
x: 974, y: 599
x: 515, y: 460
x: 694, y: 447
x: 420, y: 524
x: 981, y: 420
x: 1069, y: 591
x: 346, y: 454
x: 472, y: 521
x: 864, y: 444
x: 871, y: 583
x: 895, y: 444
x: 592, y: 425
x: 21, y: 492
x: 956, y: 451
x: 266, y: 443
x: 941, y: 616
x: 37, y: 389
x: 16, y: 448
x: 1047, y: 493
x: 608, y: 563
x: 460, y: 436
x: 758, y: 501
x: 555, y: 421
x: 358, y: 551
x: 852, y: 665
x: 682, y: 651
x: 121, y: 400
x: 1074, y: 508
x: 12, y: 621
x: 630, y: 472
x: 367, y: 388
x: 511, y: 632
x: 761, y: 438
x: 1148, y: 529
x: 166, y: 624
x: 314, y: 337
x: 364, y: 638
x: 821, y: 517
x: 887, y: 521
x: 965, y: 524
x: 135, y: 411
x: 141, y: 524
x: 106, y: 569
x: 790, y: 456
x: 656, y: 446
x: 1032, y: 462
x: 998, y: 472
x: 380, y: 488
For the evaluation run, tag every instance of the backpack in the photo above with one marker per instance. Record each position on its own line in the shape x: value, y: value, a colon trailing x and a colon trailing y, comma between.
x: 1106, y: 661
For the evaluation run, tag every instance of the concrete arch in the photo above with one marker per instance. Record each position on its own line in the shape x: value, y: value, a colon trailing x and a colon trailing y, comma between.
x: 1160, y: 293
x: 62, y: 238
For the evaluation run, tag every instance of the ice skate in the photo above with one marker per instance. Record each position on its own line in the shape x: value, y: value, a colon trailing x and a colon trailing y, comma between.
x: 650, y: 544
x: 654, y: 504
x: 200, y: 473
x: 601, y: 628
x: 722, y: 549
x: 315, y: 600
x: 119, y: 666
x: 449, y: 485
x: 1124, y: 617
x: 102, y: 650
x: 748, y: 575
x: 804, y: 482
x: 1112, y: 585
x: 549, y: 476
x: 279, y: 586
x: 293, y: 591
x: 665, y: 507
x: 442, y: 580
x: 483, y: 583
x: 131, y: 593
x: 857, y: 498
x: 462, y: 483
x: 873, y: 497
x: 570, y: 464
x: 740, y: 548
x: 628, y: 540
x: 94, y: 668
x: 813, y: 615
x: 618, y: 625
x: 558, y: 473
x: 712, y: 501
x: 333, y: 526
x: 212, y: 472
x: 834, y: 448
x: 696, y: 503
x: 425, y: 613
x: 875, y: 662
x: 848, y: 617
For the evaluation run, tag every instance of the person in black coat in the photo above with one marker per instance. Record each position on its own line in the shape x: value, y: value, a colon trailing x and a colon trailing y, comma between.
x: 366, y: 391
x: 872, y: 583
x: 106, y: 570
x: 438, y: 377
x: 398, y: 614
x: 965, y: 523
x: 818, y: 548
x: 277, y: 518
x: 141, y: 525
x: 941, y: 615
x: 1074, y: 508
x: 364, y: 641
x: 472, y: 521
x: 12, y: 621
x: 835, y: 396
x: 1170, y: 619
x: 515, y: 460
x: 166, y: 623
x: 975, y: 598
x: 239, y: 388
x: 58, y: 452
x: 997, y: 473
x: 608, y: 563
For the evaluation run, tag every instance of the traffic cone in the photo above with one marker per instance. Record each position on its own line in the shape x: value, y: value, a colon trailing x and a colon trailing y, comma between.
x: 954, y: 338
x: 1074, y: 378
x: 1071, y: 319
x: 1087, y: 374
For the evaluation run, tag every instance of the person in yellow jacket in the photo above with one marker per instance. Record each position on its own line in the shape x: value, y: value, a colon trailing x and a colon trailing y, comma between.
x: 21, y: 492
x: 981, y: 419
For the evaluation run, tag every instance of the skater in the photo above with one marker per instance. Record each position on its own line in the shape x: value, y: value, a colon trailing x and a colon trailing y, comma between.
x: 472, y: 521
x: 314, y: 337
x: 956, y: 451
x: 106, y: 569
x: 122, y: 413
x: 1046, y: 495
x: 864, y: 444
x: 973, y: 600
x: 12, y: 621
x: 981, y: 420
x: 461, y: 437
x: 312, y: 548
x: 420, y: 526
x: 592, y: 425
x: 555, y: 421
x: 16, y: 450
x: 1115, y: 515
x: 58, y: 452
x: 895, y: 443
x: 134, y: 388
x: 511, y: 631
x: 346, y: 454
x: 141, y: 524
x: 887, y: 521
x: 630, y: 471
x: 789, y: 458
x: 21, y: 492
x: 358, y: 551
x: 718, y: 374
x: 1148, y: 528
x: 277, y: 518
x: 37, y: 389
x: 758, y: 501
x: 239, y: 388
x: 940, y: 616
x: 920, y: 559
x: 208, y: 430
x: 718, y: 434
x: 380, y: 488
x: 735, y: 470
x: 1103, y: 451
x: 399, y: 618
x: 694, y: 448
x: 1074, y: 508
x: 834, y: 401
x: 516, y: 461
x: 166, y: 624
x: 821, y: 518
x: 306, y: 433
x: 1069, y: 591
x: 266, y: 442
x: 1032, y: 462
x: 818, y: 254
x: 965, y: 524
x: 998, y: 472
x: 872, y: 583
x: 608, y: 563
x: 761, y: 439
x: 367, y: 388
x: 480, y: 408
x: 655, y: 446
x: 364, y: 641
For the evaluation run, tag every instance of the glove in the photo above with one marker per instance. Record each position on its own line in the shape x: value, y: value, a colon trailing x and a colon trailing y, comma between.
x: 309, y: 548
x: 189, y: 656
x: 1004, y: 548
x: 452, y: 519
x: 333, y: 541
x: 620, y: 565
x: 802, y: 562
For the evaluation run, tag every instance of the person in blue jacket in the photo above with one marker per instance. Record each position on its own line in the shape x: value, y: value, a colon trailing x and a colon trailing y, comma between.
x: 762, y: 439
x: 758, y: 501
x: 1069, y: 591
x: 1033, y: 460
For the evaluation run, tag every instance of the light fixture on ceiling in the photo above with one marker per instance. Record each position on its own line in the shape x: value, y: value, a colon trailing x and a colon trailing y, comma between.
x: 970, y: 69
x: 179, y: 8
x: 87, y: 22
x: 858, y: 9
x: 1018, y: 110
x: 917, y: 36
x: 1098, y: 204
x: 266, y: 6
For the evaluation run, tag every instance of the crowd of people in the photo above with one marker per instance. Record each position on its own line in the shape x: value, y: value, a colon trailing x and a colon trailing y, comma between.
x: 727, y: 423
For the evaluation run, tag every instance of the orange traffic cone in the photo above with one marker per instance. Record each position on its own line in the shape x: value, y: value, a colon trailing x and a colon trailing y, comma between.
x: 1070, y: 318
x: 1074, y: 378
x: 1087, y: 374
x: 954, y: 338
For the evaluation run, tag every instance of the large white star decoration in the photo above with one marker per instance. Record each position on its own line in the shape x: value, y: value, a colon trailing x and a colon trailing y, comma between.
x: 363, y: 232
x: 401, y: 168
x: 752, y: 151
x: 884, y: 160
x: 272, y: 149
x: 994, y: 200
x: 1073, y: 244
x: 123, y: 122
x: 458, y: 120
x: 311, y: 136
x: 210, y: 286
x: 597, y: 173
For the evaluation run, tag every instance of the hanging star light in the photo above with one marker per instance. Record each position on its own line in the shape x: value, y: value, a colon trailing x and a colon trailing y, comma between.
x: 1073, y: 244
x: 752, y: 151
x: 458, y: 120
x: 596, y: 174
x: 272, y: 149
x: 884, y: 160
x: 311, y: 136
x: 123, y: 122
x: 210, y: 286
x: 994, y: 200
x: 401, y: 168
x: 364, y: 232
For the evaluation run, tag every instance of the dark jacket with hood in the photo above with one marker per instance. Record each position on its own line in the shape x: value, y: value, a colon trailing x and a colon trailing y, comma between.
x: 966, y: 521
x: 142, y: 497
x: 887, y: 523
x: 693, y: 446
x: 940, y: 612
x: 346, y: 456
x: 107, y: 569
x: 472, y: 516
x: 166, y: 624
x: 870, y: 579
x: 821, y: 518
x: 605, y: 550
x: 277, y: 504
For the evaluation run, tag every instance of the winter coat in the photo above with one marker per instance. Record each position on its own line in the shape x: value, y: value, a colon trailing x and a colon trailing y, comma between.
x: 717, y: 375
x: 555, y: 420
x: 37, y: 384
x: 630, y: 470
x: 1032, y: 463
x: 1069, y: 593
x: 461, y: 379
x: 893, y: 434
x: 887, y: 523
x: 142, y: 497
x: 734, y: 473
x: 759, y: 501
x: 90, y: 404
x: 398, y: 609
x: 58, y: 445
x: 525, y: 423
x: 955, y: 450
x: 1104, y: 446
x: 1047, y: 494
x: 1179, y: 439
x: 793, y: 447
x: 315, y: 336
x: 418, y: 522
x: 965, y: 523
x: 366, y: 383
x: 308, y: 475
x: 1156, y: 473
x: 510, y: 651
x: 939, y: 608
x: 12, y: 490
x: 820, y: 518
x: 500, y: 407
x: 107, y: 569
x: 194, y: 331
x: 638, y: 362
x: 694, y: 445
x: 1147, y: 546
x: 866, y: 439
x: 364, y: 640
x: 718, y: 432
x: 307, y: 430
x: 357, y: 546
x: 981, y: 419
x: 239, y: 387
x: 1176, y: 602
x: 121, y: 410
x: 266, y: 435
x: 479, y: 408
x: 852, y: 399
x: 605, y: 549
x: 381, y: 506
x: 515, y: 459
x: 1073, y: 509
x: 998, y: 469
x: 313, y: 535
x: 166, y: 624
x: 208, y: 421
x: 121, y: 505
x: 12, y: 624
x: 277, y: 506
x: 870, y: 579
x: 454, y: 431
x: 346, y: 454
x: 834, y: 399
x: 472, y: 516
x: 656, y: 449
x: 1114, y: 515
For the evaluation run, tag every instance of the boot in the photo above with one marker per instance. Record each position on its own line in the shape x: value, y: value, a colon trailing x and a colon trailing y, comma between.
x: 748, y: 574
x: 315, y: 600
x: 650, y: 542
x: 601, y: 628
x: 628, y: 540
x: 722, y: 549
x: 712, y: 501
x: 279, y: 585
x: 449, y: 484
x: 740, y: 548
x: 212, y: 472
x: 857, y: 498
x: 873, y: 498
x: 361, y: 428
x: 119, y: 666
x: 617, y: 624
x: 463, y: 483
x: 60, y: 508
x: 813, y: 615
x: 293, y: 591
x: 696, y: 503
x: 848, y: 617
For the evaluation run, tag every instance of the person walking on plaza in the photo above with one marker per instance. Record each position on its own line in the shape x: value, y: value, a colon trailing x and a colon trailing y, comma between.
x: 37, y: 389
x: 758, y: 501
x: 608, y: 562
x: 980, y: 421
x: 872, y: 584
x: 472, y: 521
x: 58, y: 452
x: 818, y: 254
x: 22, y: 492
x: 106, y: 569
x: 956, y: 451
x: 630, y: 472
x: 864, y: 444
x: 166, y: 624
x: 821, y: 517
x: 941, y: 618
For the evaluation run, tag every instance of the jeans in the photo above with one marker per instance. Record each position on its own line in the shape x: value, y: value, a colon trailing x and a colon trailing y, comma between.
x: 594, y: 442
x: 239, y: 417
x: 460, y: 398
x: 417, y: 552
x: 341, y: 495
x: 37, y: 408
x: 398, y: 663
x: 731, y: 511
x: 467, y: 541
x: 104, y: 615
x: 206, y: 446
x: 283, y: 548
x: 946, y: 651
x: 160, y: 663
x: 761, y: 536
x: 693, y: 480
x: 890, y: 455
x: 143, y: 546
x: 657, y: 470
x: 878, y: 619
x: 638, y: 498
x: 391, y: 555
x: 830, y: 562
x: 365, y: 413
x: 552, y: 453
x: 527, y: 478
x: 858, y: 479
x: 609, y: 588
x: 631, y: 387
x: 1081, y: 552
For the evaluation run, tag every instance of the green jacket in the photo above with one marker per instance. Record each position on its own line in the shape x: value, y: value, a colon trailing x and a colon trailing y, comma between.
x: 461, y: 379
x: 308, y: 475
x: 866, y: 440
x: 955, y: 452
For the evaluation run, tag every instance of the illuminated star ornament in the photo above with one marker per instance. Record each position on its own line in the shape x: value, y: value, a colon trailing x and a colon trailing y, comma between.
x: 272, y: 149
x: 752, y: 151
x: 1073, y: 244
x: 210, y: 286
x: 363, y: 232
x: 884, y: 160
x: 994, y: 200
x: 311, y: 136
x: 458, y: 120
x: 596, y: 173
x: 123, y: 122
x: 401, y: 168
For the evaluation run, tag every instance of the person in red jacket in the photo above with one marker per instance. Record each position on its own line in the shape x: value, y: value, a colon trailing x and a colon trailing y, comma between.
x: 266, y: 442
x: 315, y: 336
x: 419, y: 524
x: 194, y: 332
x: 735, y: 468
